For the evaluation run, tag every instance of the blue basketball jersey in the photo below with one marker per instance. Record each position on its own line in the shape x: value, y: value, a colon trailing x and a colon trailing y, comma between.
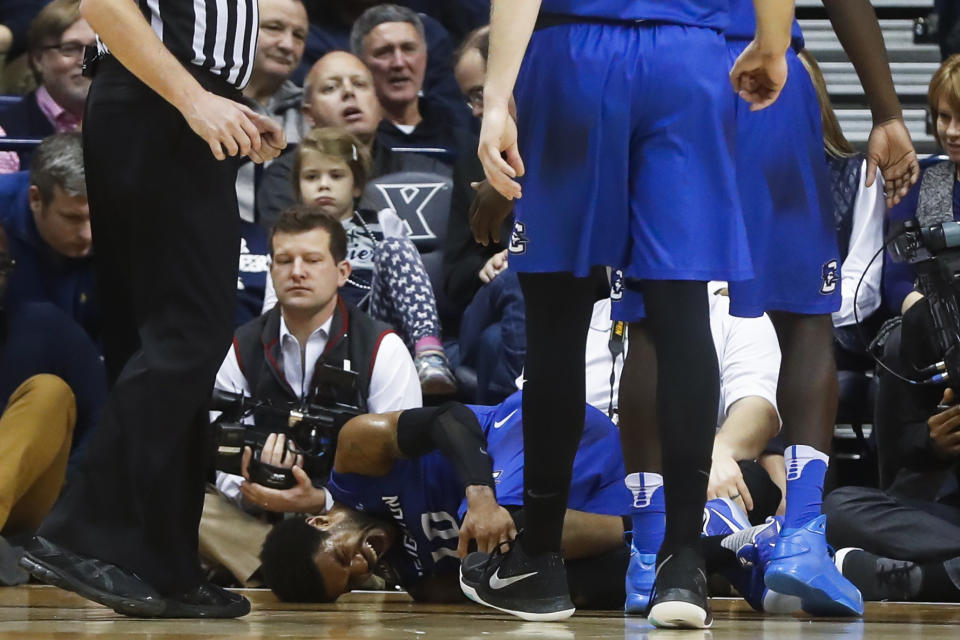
x: 424, y: 497
x: 697, y: 13
x: 743, y: 24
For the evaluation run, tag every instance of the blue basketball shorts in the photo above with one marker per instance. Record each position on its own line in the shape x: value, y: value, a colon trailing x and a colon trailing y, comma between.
x: 784, y: 186
x: 627, y: 133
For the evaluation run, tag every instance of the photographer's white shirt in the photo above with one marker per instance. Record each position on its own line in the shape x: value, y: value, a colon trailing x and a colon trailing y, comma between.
x: 394, y: 384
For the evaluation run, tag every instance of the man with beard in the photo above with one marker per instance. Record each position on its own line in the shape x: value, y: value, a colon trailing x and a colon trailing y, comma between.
x: 414, y: 488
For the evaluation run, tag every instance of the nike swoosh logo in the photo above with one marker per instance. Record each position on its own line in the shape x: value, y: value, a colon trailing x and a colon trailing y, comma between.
x: 499, y: 423
x: 496, y: 582
x: 730, y: 523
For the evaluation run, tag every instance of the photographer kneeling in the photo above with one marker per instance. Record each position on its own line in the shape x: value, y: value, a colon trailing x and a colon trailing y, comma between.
x: 283, y: 359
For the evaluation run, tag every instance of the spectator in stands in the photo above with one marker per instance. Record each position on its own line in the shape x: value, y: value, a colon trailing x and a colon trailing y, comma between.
x: 282, y: 33
x: 387, y: 279
x: 275, y: 356
x: 492, y: 339
x: 339, y: 92
x: 52, y: 386
x: 280, y: 42
x: 859, y: 212
x: 56, y: 40
x: 931, y: 200
x: 47, y: 218
x: 391, y: 41
x: 330, y: 25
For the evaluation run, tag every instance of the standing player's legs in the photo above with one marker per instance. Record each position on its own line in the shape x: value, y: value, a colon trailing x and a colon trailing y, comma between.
x: 785, y: 192
x: 686, y: 228
x: 136, y: 500
x: 574, y: 128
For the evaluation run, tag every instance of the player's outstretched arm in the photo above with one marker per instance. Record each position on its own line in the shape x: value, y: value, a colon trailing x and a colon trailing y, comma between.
x: 760, y: 72
x: 511, y: 23
x: 228, y: 127
x: 889, y: 146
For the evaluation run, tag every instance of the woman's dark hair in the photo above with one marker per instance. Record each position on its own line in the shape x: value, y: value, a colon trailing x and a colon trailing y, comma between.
x: 287, y: 562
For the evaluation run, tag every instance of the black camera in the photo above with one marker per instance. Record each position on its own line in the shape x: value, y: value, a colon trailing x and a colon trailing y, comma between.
x: 934, y: 250
x: 311, y: 428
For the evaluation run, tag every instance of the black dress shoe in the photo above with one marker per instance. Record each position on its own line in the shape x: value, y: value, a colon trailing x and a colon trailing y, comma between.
x: 206, y: 600
x: 91, y: 578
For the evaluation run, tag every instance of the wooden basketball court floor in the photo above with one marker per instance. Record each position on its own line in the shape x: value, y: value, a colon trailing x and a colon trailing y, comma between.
x: 39, y: 612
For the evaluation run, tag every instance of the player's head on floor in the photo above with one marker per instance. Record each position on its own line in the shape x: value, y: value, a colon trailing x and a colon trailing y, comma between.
x: 319, y: 558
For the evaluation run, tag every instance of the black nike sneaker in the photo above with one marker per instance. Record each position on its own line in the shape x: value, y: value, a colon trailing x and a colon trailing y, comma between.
x: 529, y: 587
x: 680, y: 592
x: 879, y: 578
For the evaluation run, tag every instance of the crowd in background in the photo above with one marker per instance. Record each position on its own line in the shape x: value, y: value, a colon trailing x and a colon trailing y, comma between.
x: 380, y: 106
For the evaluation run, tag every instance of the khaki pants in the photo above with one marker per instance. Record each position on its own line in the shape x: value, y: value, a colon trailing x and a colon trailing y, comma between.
x: 231, y: 538
x: 36, y: 431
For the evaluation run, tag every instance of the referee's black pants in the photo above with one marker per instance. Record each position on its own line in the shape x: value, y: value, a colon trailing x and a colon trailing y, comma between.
x: 166, y: 243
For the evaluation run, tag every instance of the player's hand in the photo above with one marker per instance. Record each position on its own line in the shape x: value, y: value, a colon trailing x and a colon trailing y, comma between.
x: 487, y: 212
x: 726, y: 480
x: 303, y: 497
x: 496, y: 265
x: 945, y: 428
x: 758, y: 76
x: 891, y: 149
x: 485, y: 521
x: 498, y: 135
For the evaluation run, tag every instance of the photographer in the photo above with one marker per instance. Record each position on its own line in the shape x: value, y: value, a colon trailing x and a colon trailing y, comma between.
x: 278, y: 358
x: 906, y: 534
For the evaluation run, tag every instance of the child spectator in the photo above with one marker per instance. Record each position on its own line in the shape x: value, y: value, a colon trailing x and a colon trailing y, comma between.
x: 388, y: 279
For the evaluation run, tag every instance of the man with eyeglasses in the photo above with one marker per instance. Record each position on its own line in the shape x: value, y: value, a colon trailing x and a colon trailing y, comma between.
x: 56, y: 41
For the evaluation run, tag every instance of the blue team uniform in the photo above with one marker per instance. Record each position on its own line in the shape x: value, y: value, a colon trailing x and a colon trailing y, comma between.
x: 785, y: 191
x: 784, y: 186
x: 626, y: 126
x: 424, y: 496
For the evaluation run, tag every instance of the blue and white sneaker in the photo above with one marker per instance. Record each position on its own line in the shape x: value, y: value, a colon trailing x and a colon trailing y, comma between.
x: 722, y: 516
x: 800, y: 565
x: 754, y: 547
x: 639, y: 582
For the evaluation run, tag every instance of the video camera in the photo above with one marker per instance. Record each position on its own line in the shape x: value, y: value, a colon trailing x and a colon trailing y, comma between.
x: 935, y: 252
x: 311, y: 428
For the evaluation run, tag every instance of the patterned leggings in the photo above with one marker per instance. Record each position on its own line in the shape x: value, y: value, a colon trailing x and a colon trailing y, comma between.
x: 401, y: 293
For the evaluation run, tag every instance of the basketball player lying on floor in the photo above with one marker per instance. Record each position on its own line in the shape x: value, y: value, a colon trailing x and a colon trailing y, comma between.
x: 413, y: 489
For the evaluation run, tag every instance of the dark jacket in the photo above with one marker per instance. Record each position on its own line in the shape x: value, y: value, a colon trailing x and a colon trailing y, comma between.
x: 463, y: 256
x: 39, y: 338
x: 438, y: 130
x: 24, y: 119
x: 41, y: 274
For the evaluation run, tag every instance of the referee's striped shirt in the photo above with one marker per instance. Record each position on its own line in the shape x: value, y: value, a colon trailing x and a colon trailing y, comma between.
x: 217, y: 35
